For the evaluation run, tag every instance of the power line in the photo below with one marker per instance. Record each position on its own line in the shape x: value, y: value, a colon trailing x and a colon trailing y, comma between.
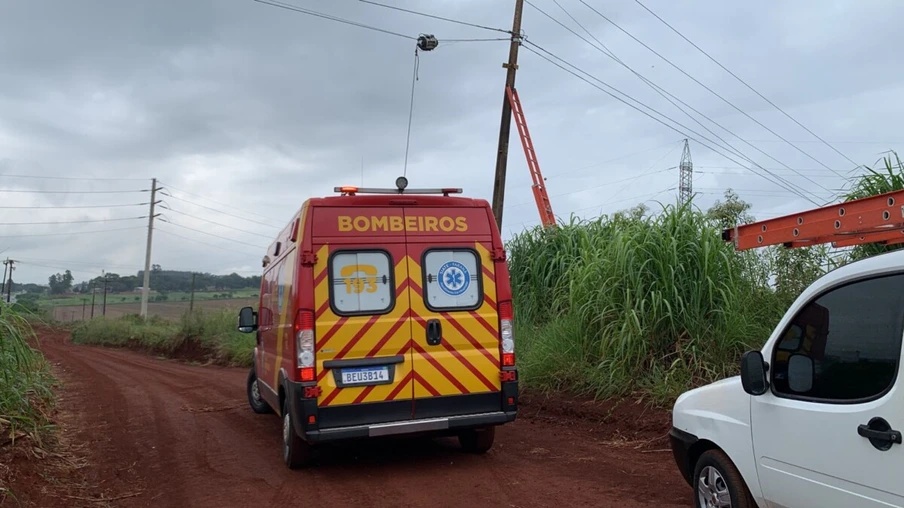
x: 679, y: 69
x: 85, y: 178
x: 170, y: 187
x: 91, y: 263
x: 309, y: 12
x: 229, y: 249
x: 30, y: 191
x: 743, y: 82
x: 73, y: 233
x: 668, y: 96
x: 524, y: 203
x: 437, y: 17
x: 779, y: 181
x: 83, y: 221
x: 212, y: 222
x: 74, y: 206
x: 219, y: 211
x: 211, y: 234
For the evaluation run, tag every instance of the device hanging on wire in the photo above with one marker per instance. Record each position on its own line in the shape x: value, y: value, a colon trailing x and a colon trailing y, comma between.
x: 427, y: 42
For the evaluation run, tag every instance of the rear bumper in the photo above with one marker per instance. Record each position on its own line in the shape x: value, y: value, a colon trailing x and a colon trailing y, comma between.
x: 681, y: 443
x: 439, y: 415
x: 409, y: 427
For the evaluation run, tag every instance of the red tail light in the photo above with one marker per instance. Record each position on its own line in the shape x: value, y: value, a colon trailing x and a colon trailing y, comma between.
x: 506, y: 334
x: 304, y: 345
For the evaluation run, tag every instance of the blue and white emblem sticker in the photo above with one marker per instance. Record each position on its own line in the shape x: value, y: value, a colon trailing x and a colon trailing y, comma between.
x: 453, y: 278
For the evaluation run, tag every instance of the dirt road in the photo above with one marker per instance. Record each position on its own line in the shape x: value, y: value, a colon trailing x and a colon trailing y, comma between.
x: 166, y: 434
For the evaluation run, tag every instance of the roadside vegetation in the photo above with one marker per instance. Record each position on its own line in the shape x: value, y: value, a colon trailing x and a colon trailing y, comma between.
x: 658, y: 303
x: 200, y: 336
x: 26, y: 385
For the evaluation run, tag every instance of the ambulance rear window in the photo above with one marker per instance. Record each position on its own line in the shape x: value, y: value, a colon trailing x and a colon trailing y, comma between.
x: 361, y: 282
x: 453, y: 279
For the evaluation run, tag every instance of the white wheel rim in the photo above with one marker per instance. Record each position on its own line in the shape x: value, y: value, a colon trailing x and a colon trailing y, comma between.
x: 255, y: 392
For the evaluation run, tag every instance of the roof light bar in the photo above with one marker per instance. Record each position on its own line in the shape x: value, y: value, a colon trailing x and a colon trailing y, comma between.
x: 351, y: 191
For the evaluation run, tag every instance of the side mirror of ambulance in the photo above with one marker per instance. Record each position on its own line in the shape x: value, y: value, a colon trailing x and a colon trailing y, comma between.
x: 753, y: 373
x: 247, y: 320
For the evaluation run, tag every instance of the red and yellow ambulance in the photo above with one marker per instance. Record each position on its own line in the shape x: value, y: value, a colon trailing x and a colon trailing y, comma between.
x: 385, y: 312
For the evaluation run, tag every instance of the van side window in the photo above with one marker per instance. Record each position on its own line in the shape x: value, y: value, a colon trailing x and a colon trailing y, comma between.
x: 845, y: 346
x: 361, y: 282
x: 453, y: 279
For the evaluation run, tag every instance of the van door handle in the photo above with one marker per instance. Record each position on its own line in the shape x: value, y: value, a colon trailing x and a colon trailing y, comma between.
x: 434, y: 332
x: 880, y: 434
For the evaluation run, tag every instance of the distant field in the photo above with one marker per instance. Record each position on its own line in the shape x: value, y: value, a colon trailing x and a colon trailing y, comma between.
x: 168, y: 309
x: 171, y: 297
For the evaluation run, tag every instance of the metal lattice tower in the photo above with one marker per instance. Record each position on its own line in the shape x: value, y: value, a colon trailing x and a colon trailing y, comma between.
x: 685, y: 175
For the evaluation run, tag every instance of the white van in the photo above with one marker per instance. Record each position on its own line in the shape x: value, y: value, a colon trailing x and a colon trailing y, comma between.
x: 815, y: 418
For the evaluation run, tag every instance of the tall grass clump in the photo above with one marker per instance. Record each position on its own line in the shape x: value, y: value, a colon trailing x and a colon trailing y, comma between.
x: 26, y: 385
x: 621, y: 304
x: 201, y: 334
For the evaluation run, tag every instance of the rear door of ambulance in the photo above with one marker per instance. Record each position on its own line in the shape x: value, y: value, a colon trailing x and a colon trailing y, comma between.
x: 455, y: 325
x: 362, y: 333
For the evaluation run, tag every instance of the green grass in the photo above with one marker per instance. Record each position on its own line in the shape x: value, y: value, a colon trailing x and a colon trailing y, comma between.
x: 26, y: 385
x: 49, y: 301
x: 211, y: 333
x: 623, y: 305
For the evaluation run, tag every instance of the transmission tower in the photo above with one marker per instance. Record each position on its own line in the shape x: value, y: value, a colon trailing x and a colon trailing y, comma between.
x: 686, y: 175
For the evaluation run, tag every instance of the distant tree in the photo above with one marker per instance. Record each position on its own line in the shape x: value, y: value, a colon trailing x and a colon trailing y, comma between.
x: 730, y: 212
x: 60, y: 283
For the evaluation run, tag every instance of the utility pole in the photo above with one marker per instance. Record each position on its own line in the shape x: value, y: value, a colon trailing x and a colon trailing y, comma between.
x: 104, y: 311
x: 9, y: 281
x: 506, y: 124
x: 191, y: 302
x: 685, y: 175
x: 3, y: 285
x: 84, y: 301
x: 93, y: 295
x: 145, y: 288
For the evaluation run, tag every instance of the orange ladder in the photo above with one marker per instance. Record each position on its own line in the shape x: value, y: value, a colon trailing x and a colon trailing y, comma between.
x: 539, y: 187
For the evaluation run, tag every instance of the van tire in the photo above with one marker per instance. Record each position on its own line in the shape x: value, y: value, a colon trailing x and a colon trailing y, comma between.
x: 477, y: 440
x: 255, y: 400
x: 728, y: 478
x: 296, y: 451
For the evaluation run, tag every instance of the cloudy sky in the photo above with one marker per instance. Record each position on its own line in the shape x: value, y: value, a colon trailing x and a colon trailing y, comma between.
x: 243, y: 110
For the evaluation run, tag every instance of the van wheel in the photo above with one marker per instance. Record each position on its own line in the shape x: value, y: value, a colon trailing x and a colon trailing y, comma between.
x: 718, y: 484
x: 296, y: 451
x: 477, y: 440
x: 257, y: 403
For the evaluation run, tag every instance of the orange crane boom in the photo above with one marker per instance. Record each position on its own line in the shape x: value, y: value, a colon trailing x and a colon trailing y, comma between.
x: 539, y: 186
x: 875, y: 219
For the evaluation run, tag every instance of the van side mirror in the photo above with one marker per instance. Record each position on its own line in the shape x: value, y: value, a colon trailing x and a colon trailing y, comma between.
x: 753, y: 373
x: 247, y: 320
x: 801, y: 373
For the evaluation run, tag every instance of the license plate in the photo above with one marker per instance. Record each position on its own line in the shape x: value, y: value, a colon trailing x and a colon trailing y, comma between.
x: 365, y: 376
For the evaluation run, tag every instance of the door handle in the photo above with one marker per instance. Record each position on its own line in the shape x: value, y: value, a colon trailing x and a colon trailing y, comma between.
x: 880, y: 434
x: 434, y: 332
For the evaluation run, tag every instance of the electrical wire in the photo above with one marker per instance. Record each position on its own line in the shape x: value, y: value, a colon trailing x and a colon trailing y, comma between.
x: 85, y: 178
x: 411, y: 109
x: 211, y: 234
x: 564, y: 194
x: 726, y: 101
x: 29, y: 191
x: 73, y: 206
x: 83, y: 221
x: 309, y: 12
x: 433, y: 16
x: 170, y: 187
x: 779, y: 181
x: 73, y: 233
x: 219, y: 211
x: 743, y: 82
x: 666, y: 95
x: 92, y: 263
x: 215, y: 223
x: 198, y: 241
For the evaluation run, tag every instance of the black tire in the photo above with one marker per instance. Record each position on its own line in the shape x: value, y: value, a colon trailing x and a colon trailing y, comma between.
x: 715, y: 465
x: 257, y: 403
x: 296, y: 451
x: 477, y: 440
